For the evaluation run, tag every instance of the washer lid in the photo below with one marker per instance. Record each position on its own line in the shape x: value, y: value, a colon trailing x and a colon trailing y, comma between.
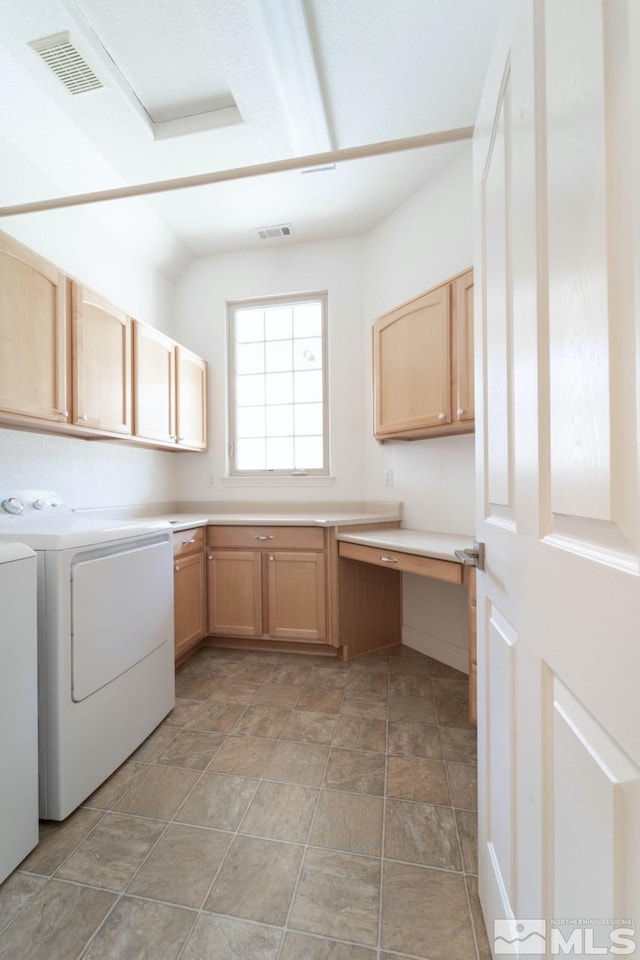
x: 14, y: 551
x: 65, y: 532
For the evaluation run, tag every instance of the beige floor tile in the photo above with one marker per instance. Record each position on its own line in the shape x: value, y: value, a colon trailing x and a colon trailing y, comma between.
x: 364, y: 705
x: 112, y: 852
x: 329, y: 678
x: 338, y: 896
x: 468, y: 829
x: 463, y: 784
x: 153, y: 746
x: 140, y: 929
x: 459, y: 745
x: 444, y: 688
x: 309, y: 727
x: 117, y: 785
x: 236, y: 691
x: 256, y: 880
x: 182, y: 865
x: 278, y: 694
x: 409, y: 667
x: 183, y: 711
x: 255, y: 671
x: 482, y: 940
x: 415, y: 779
x: 421, y: 833
x: 298, y: 763
x: 347, y: 821
x: 287, y: 673
x: 192, y: 748
x: 158, y: 792
x: 218, y: 801
x: 410, y: 739
x: 415, y: 709
x: 216, y: 716
x: 453, y: 713
x: 320, y: 699
x: 425, y: 913
x: 223, y: 938
x: 280, y: 811
x: 56, y: 923
x: 361, y: 733
x: 372, y: 663
x: 301, y: 946
x: 262, y: 722
x: 243, y: 756
x: 195, y: 687
x: 58, y: 840
x: 410, y: 686
x: 366, y: 681
x: 356, y: 772
x: 438, y: 669
x: 15, y: 893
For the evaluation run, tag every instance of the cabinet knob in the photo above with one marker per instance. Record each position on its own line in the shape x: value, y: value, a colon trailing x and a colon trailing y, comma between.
x: 459, y: 411
x: 64, y: 414
x: 442, y: 416
x: 210, y: 557
x: 83, y: 416
x: 271, y: 556
x: 179, y: 439
x: 176, y: 567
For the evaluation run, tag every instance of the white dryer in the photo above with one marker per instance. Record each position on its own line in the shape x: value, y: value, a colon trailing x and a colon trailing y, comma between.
x: 105, y: 640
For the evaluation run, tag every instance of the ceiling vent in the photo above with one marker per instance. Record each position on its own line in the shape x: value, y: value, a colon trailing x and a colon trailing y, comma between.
x: 283, y: 230
x: 61, y: 55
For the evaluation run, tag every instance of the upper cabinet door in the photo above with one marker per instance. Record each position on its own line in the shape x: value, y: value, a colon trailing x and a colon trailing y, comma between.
x: 101, y: 363
x: 191, y: 400
x: 33, y: 336
x: 154, y: 384
x: 412, y: 364
x: 462, y: 335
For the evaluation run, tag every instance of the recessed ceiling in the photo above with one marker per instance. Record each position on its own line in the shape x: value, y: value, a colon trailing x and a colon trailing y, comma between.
x: 278, y: 74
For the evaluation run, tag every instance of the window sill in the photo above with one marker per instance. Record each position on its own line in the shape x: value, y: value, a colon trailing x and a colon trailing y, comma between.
x: 277, y: 481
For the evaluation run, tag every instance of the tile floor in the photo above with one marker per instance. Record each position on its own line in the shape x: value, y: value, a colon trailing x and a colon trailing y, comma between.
x: 289, y: 808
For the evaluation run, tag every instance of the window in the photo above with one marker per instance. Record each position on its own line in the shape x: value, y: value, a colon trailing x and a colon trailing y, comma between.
x: 277, y: 377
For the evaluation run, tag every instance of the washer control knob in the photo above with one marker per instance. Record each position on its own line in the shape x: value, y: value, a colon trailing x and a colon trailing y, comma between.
x: 13, y: 506
x: 39, y: 504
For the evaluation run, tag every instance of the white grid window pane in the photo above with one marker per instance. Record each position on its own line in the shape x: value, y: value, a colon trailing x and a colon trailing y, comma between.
x: 279, y: 388
x: 308, y: 386
x: 308, y: 419
x: 307, y: 320
x: 279, y: 453
x: 251, y: 454
x: 249, y: 325
x: 250, y: 390
x: 279, y: 356
x: 250, y: 358
x: 250, y: 422
x: 307, y: 354
x: 280, y: 421
x: 278, y: 323
x: 308, y: 453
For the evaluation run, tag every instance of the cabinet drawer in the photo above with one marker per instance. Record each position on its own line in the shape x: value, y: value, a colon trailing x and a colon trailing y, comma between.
x: 404, y: 562
x: 274, y: 538
x: 188, y: 541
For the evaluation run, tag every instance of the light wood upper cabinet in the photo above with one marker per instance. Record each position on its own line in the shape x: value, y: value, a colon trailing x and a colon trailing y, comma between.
x: 33, y: 336
x: 101, y: 363
x: 153, y: 384
x: 191, y: 400
x: 423, y: 364
x: 296, y: 596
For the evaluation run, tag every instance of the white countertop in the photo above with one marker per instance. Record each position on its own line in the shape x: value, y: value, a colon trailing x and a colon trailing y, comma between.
x: 317, y: 518
x: 422, y: 543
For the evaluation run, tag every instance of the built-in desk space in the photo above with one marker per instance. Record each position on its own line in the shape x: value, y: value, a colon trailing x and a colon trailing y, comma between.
x: 370, y: 566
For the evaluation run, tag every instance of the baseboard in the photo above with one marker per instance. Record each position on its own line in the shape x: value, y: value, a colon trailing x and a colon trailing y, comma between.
x: 438, y: 649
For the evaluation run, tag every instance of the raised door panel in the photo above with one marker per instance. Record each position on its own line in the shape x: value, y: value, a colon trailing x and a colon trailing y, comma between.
x: 412, y: 364
x: 33, y: 336
x: 154, y: 384
x: 296, y: 596
x: 462, y: 336
x: 191, y: 400
x: 189, y: 602
x: 234, y: 592
x: 101, y: 363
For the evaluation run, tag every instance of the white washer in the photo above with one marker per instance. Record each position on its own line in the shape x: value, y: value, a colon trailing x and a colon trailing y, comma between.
x: 105, y: 640
x: 18, y: 706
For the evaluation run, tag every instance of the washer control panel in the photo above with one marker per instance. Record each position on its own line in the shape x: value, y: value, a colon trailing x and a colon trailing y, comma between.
x: 22, y: 503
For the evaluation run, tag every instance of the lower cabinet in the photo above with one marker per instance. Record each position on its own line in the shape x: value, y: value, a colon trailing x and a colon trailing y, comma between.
x: 266, y: 592
x: 189, y: 590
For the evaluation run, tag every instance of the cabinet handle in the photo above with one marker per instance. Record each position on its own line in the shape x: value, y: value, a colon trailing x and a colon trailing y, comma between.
x: 176, y: 567
x: 64, y: 414
x: 83, y: 417
x: 388, y: 559
x: 459, y: 411
x: 442, y: 416
x: 263, y: 537
x: 187, y: 542
x: 179, y: 439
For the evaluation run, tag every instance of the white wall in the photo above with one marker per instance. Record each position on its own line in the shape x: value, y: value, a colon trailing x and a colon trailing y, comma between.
x: 87, y: 473
x: 202, y: 295
x: 421, y: 244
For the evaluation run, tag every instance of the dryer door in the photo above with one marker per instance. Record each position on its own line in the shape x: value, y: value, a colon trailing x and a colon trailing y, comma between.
x: 121, y: 611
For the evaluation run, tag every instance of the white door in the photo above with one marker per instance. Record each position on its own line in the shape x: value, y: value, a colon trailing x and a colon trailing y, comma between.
x: 557, y: 183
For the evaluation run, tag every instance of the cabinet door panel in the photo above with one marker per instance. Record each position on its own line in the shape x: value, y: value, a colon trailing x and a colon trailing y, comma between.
x: 189, y: 602
x: 296, y: 596
x: 235, y: 593
x: 154, y: 384
x: 462, y: 326
x: 101, y: 363
x: 33, y: 335
x: 191, y: 400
